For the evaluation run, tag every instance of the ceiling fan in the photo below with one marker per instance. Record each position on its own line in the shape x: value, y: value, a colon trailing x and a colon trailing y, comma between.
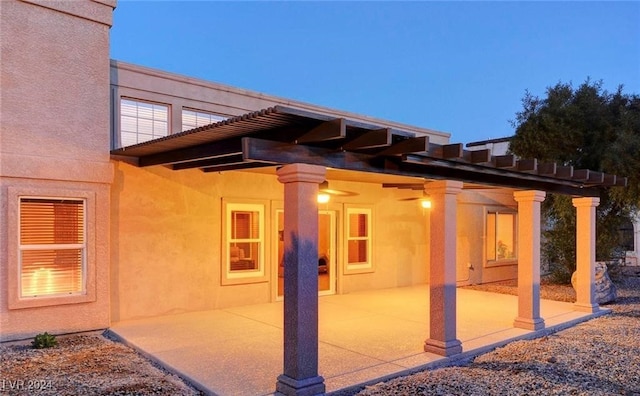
x: 424, y: 199
x: 325, y: 193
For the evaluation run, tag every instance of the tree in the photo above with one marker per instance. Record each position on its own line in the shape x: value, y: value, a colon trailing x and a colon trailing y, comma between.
x: 588, y: 128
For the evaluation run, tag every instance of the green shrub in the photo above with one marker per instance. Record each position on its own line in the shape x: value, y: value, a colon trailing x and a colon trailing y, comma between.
x: 44, y: 340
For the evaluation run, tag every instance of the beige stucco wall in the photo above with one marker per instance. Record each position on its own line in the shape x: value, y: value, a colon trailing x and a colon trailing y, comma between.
x: 166, y: 229
x: 472, y: 266
x: 54, y: 137
x: 167, y: 239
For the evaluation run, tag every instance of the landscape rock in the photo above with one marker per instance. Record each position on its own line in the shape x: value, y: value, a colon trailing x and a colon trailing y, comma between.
x: 606, y: 291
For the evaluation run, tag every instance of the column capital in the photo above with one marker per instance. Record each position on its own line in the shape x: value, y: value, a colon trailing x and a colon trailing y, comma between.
x: 529, y: 196
x: 443, y: 187
x: 586, y: 201
x: 301, y: 173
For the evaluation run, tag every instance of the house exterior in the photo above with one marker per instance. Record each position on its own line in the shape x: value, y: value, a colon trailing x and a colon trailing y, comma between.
x: 130, y: 192
x: 629, y: 232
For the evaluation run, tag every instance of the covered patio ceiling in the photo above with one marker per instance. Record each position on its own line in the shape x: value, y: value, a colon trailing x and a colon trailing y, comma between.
x: 282, y: 135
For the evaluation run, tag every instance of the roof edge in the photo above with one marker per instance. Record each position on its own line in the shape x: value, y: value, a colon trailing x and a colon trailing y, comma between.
x: 276, y: 99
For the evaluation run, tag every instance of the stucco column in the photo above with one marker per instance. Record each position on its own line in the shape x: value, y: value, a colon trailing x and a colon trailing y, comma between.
x: 586, y: 254
x: 442, y: 268
x: 529, y: 259
x: 300, y: 376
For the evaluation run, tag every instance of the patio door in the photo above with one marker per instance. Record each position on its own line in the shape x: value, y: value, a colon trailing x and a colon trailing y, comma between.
x: 326, y: 252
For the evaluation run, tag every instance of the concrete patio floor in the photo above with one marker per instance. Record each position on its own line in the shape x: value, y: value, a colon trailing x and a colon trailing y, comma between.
x: 364, y: 336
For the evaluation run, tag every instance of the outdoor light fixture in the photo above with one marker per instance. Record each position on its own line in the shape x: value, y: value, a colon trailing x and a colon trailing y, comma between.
x: 425, y: 203
x: 323, y: 198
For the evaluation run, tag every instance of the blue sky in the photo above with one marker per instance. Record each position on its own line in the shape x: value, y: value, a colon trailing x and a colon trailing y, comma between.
x: 458, y: 67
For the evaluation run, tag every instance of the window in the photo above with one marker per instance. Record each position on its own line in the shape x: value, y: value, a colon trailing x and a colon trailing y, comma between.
x: 244, y: 248
x: 52, y: 247
x: 358, y: 233
x: 142, y: 121
x: 501, y: 236
x: 193, y: 119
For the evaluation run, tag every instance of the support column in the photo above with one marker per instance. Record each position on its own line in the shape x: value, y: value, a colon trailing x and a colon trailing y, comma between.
x: 586, y: 254
x: 300, y: 376
x: 442, y: 268
x: 529, y: 259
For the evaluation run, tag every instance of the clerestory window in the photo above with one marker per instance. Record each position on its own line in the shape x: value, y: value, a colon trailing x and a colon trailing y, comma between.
x: 196, y: 118
x: 142, y: 121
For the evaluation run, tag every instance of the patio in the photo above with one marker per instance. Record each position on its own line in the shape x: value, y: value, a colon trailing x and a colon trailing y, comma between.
x: 363, y: 337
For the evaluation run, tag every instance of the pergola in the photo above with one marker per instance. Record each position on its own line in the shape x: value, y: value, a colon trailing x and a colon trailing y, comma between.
x: 304, y: 144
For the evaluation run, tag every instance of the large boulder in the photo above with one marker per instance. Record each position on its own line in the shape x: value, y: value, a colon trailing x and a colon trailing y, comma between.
x: 606, y: 291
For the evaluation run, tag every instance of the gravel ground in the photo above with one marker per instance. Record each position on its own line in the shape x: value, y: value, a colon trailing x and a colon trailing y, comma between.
x: 599, y: 357
x: 548, y: 291
x: 83, y: 365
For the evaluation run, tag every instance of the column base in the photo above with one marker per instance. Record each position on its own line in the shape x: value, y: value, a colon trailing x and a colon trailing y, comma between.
x: 443, y: 348
x: 590, y: 308
x: 305, y: 387
x: 528, y: 323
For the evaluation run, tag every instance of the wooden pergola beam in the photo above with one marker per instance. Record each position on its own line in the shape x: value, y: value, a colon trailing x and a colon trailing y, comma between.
x: 404, y: 186
x: 235, y: 166
x: 279, y: 153
x: 478, y: 156
x: 407, y: 146
x: 492, y: 176
x: 328, y: 130
x: 527, y: 165
x: 609, y: 180
x: 371, y: 139
x: 201, y: 152
x: 547, y: 168
x: 225, y: 160
x: 564, y: 172
x: 504, y: 161
x: 452, y: 151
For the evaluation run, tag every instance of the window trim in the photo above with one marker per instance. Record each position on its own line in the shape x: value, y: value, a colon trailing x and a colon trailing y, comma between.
x: 228, y: 277
x: 15, y: 300
x: 506, y: 261
x: 364, y: 267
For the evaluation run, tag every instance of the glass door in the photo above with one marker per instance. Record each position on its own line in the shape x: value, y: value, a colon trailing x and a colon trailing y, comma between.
x: 326, y: 252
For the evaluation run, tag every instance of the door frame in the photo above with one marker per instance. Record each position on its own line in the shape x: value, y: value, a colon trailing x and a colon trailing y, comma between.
x: 334, y: 210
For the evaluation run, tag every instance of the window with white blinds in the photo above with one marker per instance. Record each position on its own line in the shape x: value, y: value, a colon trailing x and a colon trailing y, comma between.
x: 142, y: 121
x: 193, y: 119
x: 52, y: 246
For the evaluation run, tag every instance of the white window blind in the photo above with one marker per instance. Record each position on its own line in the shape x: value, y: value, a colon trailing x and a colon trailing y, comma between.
x: 142, y: 121
x: 193, y: 119
x: 52, y: 246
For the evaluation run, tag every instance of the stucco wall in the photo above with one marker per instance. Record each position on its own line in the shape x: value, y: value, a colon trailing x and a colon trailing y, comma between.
x: 166, y: 239
x: 472, y: 265
x: 54, y: 136
x: 177, y: 91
